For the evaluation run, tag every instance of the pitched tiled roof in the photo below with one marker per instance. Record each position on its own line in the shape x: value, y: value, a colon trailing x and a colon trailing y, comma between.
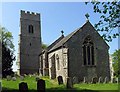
x: 62, y: 41
x: 55, y: 42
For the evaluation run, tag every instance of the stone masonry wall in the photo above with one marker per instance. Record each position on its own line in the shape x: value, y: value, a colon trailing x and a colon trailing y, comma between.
x: 101, y: 57
x: 29, y: 43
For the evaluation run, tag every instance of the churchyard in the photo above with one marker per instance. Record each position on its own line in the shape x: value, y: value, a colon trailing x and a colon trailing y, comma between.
x: 12, y: 84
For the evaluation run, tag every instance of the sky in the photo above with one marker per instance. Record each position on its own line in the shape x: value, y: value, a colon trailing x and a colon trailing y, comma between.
x: 66, y: 16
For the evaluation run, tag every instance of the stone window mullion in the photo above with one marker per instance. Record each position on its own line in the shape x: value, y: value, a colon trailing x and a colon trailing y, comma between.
x: 90, y: 55
x: 86, y: 54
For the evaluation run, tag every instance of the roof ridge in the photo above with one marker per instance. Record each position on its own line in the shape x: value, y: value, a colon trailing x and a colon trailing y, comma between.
x: 66, y: 38
x: 55, y: 42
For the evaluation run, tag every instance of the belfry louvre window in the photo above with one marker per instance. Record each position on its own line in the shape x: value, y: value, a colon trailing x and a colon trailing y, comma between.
x: 88, y: 51
x: 30, y: 29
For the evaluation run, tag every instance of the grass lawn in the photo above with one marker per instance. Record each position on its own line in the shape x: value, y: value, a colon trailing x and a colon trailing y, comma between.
x: 52, y: 86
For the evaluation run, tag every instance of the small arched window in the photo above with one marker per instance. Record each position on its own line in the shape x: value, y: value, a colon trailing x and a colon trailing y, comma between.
x: 88, y: 51
x: 58, y: 63
x: 30, y: 29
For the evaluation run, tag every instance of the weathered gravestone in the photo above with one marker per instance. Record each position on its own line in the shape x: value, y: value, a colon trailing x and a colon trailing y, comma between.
x: 9, y: 78
x: 84, y: 80
x: 106, y: 80
x: 0, y: 86
x: 41, y: 85
x: 14, y: 78
x: 25, y: 75
x: 69, y: 83
x: 30, y: 75
x: 21, y: 78
x: 94, y: 80
x: 23, y: 87
x: 60, y: 80
x: 75, y: 80
x: 100, y: 80
x: 115, y: 80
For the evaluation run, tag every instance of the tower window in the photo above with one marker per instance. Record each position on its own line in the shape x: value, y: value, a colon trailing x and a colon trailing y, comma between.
x: 88, y: 51
x: 30, y: 29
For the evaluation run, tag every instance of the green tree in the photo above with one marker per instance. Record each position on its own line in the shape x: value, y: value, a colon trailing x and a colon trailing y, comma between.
x: 109, y: 18
x: 6, y: 38
x: 116, y: 62
x: 7, y: 52
x: 44, y: 46
x: 7, y: 61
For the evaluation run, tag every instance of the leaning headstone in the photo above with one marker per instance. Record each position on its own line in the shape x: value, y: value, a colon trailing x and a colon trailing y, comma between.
x: 69, y: 83
x: 75, y: 80
x: 23, y: 87
x: 106, y: 80
x: 60, y: 80
x: 14, y: 78
x: 9, y: 78
x: 94, y: 80
x: 41, y: 85
x: 100, y: 80
x: 21, y: 78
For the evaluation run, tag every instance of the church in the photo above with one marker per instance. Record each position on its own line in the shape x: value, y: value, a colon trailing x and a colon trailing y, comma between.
x: 81, y: 54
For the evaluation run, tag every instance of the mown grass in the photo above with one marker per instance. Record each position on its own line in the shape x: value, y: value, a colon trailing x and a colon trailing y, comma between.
x: 52, y: 86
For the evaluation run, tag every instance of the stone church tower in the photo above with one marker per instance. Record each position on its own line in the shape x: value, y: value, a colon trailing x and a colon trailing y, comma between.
x: 29, y: 43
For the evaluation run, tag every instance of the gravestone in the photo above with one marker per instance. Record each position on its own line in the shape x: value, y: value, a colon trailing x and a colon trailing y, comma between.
x: 37, y: 78
x: 115, y: 80
x: 41, y: 85
x: 75, y: 80
x: 25, y: 75
x: 60, y: 80
x: 21, y: 78
x: 119, y: 79
x: 14, y: 78
x: 23, y: 87
x: 0, y: 86
x: 69, y: 83
x: 100, y: 80
x: 9, y: 78
x: 94, y: 80
x: 106, y: 80
x: 30, y: 75
x: 84, y: 80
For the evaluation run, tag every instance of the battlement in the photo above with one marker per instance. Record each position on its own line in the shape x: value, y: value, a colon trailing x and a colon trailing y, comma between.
x: 29, y: 15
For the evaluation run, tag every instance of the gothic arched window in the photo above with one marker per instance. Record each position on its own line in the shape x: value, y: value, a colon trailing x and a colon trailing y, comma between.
x: 30, y: 28
x: 58, y: 63
x: 88, y: 51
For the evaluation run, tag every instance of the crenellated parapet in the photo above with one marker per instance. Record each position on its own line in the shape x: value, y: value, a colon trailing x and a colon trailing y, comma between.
x: 29, y: 15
